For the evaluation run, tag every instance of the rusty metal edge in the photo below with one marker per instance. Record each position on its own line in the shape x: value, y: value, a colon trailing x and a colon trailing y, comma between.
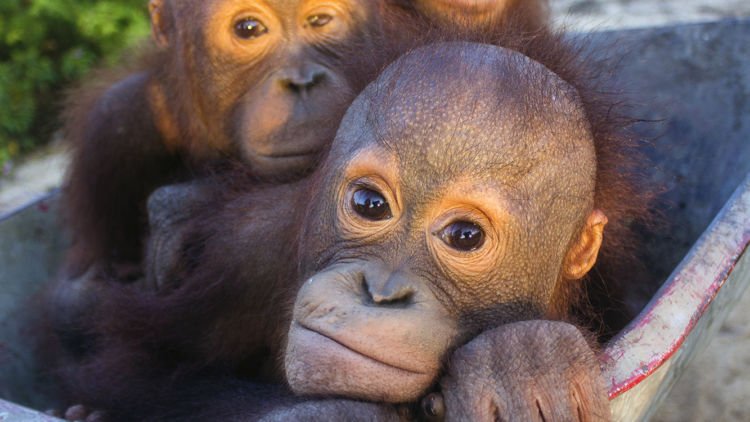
x: 611, y: 356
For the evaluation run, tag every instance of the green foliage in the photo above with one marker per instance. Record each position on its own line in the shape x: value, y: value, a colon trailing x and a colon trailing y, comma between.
x: 47, y: 44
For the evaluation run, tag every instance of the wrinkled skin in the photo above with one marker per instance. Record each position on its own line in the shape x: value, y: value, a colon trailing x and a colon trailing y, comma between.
x: 417, y: 258
x: 388, y: 296
x: 526, y: 371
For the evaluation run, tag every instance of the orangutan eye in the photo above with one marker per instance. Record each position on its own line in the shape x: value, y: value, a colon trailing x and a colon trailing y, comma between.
x: 463, y: 236
x: 316, y: 21
x: 371, y: 205
x: 249, y: 28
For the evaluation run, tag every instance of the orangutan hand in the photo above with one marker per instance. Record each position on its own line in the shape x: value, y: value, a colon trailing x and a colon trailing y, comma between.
x: 525, y: 371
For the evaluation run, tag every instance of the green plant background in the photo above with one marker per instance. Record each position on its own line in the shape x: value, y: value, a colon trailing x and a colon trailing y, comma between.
x: 45, y: 45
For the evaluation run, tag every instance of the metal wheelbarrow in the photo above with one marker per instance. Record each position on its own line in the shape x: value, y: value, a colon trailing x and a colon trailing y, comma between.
x: 693, y: 78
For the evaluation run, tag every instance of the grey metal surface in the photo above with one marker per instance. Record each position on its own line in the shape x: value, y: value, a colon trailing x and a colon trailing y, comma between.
x: 31, y: 247
x: 692, y: 83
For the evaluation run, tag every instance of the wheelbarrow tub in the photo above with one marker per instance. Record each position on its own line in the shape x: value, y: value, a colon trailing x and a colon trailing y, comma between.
x: 695, y: 81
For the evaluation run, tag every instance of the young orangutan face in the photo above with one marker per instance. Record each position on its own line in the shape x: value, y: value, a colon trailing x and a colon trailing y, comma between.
x: 445, y: 208
x: 268, y: 78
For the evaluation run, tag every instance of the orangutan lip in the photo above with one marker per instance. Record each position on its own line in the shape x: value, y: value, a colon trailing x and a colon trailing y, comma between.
x: 303, y: 327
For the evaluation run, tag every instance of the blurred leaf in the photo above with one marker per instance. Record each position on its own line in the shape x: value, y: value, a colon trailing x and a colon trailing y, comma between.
x: 46, y: 45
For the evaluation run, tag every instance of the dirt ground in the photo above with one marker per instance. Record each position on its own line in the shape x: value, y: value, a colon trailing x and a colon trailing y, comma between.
x: 716, y: 386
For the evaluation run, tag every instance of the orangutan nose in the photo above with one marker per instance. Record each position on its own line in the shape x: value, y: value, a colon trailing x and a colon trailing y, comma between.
x: 302, y: 80
x: 397, y: 289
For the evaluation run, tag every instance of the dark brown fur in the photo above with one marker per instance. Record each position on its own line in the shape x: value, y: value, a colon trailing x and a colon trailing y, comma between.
x: 217, y: 322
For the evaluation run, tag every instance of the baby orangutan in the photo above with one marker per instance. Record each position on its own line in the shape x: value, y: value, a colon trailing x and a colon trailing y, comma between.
x: 458, y: 197
x: 457, y: 202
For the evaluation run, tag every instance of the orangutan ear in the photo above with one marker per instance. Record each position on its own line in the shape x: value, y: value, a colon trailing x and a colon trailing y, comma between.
x: 582, y: 256
x: 161, y: 22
